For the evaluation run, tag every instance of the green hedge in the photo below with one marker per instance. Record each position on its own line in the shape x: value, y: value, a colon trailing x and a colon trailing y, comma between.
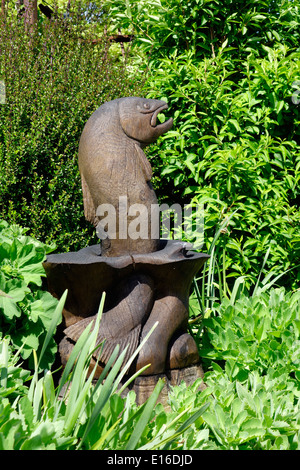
x: 54, y: 79
x: 235, y: 148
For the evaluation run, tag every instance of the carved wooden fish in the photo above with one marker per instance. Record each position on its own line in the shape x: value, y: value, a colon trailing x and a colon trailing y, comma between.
x: 121, y: 324
x: 113, y: 164
x: 151, y: 285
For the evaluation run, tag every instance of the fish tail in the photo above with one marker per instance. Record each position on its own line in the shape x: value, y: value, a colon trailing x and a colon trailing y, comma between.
x: 106, y: 344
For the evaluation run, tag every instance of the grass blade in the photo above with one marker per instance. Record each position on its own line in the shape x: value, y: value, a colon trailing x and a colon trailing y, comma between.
x: 72, y: 359
x: 79, y: 408
x: 145, y: 416
x: 261, y: 270
x: 133, y: 356
x: 266, y: 285
x: 79, y: 346
x: 187, y: 423
x: 131, y: 379
x: 105, y: 392
x: 4, y: 362
x: 103, y: 438
x: 54, y: 322
x: 158, y: 443
x: 236, y: 289
x: 48, y: 389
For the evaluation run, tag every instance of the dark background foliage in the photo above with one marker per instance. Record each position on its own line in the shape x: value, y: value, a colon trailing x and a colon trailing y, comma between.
x: 55, y: 78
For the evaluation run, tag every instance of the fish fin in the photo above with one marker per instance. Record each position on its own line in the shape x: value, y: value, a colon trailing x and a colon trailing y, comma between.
x: 88, y: 204
x: 104, y: 352
x: 145, y: 164
x: 131, y: 340
x: 74, y: 331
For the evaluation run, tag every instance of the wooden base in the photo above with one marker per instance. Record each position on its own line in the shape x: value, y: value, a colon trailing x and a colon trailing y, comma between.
x: 143, y: 386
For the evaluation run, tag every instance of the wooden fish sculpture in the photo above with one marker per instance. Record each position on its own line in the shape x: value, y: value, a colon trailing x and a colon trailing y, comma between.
x: 112, y: 164
x: 146, y: 284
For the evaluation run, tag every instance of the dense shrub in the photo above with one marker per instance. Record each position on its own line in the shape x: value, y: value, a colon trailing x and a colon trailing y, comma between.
x: 229, y: 71
x: 256, y: 333
x: 55, y: 78
x: 241, y: 155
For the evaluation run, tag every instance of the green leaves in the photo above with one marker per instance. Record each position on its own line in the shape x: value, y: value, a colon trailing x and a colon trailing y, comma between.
x: 251, y: 351
x: 259, y: 332
x: 85, y: 416
x: 254, y: 414
x: 229, y: 78
x: 26, y: 311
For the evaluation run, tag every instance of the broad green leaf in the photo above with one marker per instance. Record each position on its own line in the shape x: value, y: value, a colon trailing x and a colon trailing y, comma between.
x: 9, y: 308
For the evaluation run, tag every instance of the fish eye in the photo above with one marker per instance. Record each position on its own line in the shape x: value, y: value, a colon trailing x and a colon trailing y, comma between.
x: 146, y: 105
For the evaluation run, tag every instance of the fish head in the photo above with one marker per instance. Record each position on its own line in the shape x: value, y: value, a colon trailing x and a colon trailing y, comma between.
x: 138, y: 118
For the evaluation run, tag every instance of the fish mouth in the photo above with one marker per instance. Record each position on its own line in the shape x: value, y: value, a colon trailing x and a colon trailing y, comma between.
x: 153, y: 121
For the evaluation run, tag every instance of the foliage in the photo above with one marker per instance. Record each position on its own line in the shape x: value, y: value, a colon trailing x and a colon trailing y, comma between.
x: 250, y: 351
x: 202, y: 26
x: 260, y: 412
x: 259, y: 332
x: 37, y: 414
x: 257, y: 388
x: 79, y: 415
x: 251, y: 400
x: 26, y: 310
x: 230, y: 73
x: 55, y: 78
x: 229, y: 70
x: 13, y: 375
x: 249, y: 347
x: 239, y: 159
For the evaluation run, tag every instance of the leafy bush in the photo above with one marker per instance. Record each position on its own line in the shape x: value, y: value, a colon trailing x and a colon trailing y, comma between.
x: 228, y: 71
x: 167, y: 27
x: 251, y: 354
x: 257, y: 333
x: 258, y: 413
x: 26, y: 310
x: 55, y: 79
x: 236, y: 159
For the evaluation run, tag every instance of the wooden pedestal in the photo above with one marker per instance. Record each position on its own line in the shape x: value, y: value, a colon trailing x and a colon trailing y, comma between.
x: 143, y: 386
